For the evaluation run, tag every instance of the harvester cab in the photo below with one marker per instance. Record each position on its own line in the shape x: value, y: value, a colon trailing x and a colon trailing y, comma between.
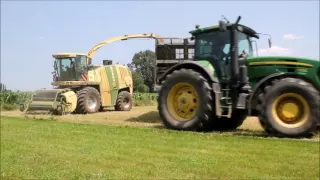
x: 70, y: 67
x: 224, y: 83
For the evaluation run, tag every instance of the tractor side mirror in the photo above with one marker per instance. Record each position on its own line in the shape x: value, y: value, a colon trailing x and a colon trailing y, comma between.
x: 89, y: 61
x: 270, y: 43
x: 222, y: 26
x: 55, y: 64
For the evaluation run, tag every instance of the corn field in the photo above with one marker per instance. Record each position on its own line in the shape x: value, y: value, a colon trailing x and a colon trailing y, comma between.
x: 145, y: 96
x: 14, y: 97
x: 17, y: 97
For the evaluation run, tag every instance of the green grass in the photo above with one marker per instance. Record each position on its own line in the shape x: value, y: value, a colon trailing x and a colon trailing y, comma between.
x: 46, y: 149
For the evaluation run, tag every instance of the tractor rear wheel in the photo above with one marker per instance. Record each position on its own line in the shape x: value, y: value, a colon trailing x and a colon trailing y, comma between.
x: 289, y: 108
x: 124, y: 101
x: 185, y: 101
x: 89, y: 100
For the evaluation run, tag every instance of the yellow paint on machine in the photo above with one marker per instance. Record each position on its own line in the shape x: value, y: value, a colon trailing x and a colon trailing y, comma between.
x: 121, y: 73
x: 129, y: 80
x: 94, y: 75
x: 105, y: 88
x: 125, y: 79
x: 281, y: 63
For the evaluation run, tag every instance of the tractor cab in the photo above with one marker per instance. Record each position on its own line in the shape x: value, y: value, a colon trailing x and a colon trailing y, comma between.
x: 70, y: 66
x: 225, y: 46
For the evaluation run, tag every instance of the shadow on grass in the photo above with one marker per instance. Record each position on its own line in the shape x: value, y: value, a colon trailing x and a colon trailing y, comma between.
x: 154, y: 118
x: 246, y: 132
x: 107, y: 109
x: 36, y: 113
x: 150, y: 117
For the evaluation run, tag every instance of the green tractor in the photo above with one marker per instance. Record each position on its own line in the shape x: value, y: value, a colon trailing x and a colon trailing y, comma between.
x: 224, y: 83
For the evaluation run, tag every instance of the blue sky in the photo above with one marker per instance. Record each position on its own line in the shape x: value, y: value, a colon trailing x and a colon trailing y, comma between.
x: 32, y: 31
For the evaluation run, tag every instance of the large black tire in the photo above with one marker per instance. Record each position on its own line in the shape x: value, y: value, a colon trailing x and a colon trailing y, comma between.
x: 198, y: 94
x: 89, y: 100
x: 236, y: 120
x: 124, y: 101
x: 303, y: 98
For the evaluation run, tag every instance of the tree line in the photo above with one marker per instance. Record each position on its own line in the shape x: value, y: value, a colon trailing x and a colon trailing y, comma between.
x: 142, y: 67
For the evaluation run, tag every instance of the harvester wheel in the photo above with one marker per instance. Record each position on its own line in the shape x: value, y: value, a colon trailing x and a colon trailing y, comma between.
x: 59, y: 110
x: 88, y: 100
x: 289, y: 108
x: 124, y: 101
x: 236, y: 120
x: 185, y: 101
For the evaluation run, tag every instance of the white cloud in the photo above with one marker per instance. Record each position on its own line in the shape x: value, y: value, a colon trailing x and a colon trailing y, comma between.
x: 292, y: 36
x: 275, y: 50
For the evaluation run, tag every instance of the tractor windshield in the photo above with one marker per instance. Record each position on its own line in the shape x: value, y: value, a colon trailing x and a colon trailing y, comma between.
x: 70, y: 68
x: 217, y: 44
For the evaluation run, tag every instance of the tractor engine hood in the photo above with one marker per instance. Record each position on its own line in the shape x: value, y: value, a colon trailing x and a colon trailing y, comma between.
x: 283, y: 60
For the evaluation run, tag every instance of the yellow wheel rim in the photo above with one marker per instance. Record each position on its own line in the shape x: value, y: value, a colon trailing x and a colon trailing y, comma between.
x: 291, y: 110
x: 182, y: 101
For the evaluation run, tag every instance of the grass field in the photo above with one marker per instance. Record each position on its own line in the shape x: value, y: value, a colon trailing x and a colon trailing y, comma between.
x: 122, y: 145
x: 42, y: 149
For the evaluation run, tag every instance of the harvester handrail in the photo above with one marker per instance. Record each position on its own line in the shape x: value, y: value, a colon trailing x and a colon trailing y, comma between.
x: 124, y: 37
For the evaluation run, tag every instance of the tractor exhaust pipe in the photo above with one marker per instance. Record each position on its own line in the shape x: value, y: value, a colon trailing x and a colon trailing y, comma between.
x: 234, y: 55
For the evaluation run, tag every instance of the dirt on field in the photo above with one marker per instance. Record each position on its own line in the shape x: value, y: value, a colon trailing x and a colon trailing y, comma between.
x: 139, y: 116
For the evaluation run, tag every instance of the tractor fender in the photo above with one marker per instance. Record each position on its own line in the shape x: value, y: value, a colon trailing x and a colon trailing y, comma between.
x: 258, y: 85
x: 209, y: 73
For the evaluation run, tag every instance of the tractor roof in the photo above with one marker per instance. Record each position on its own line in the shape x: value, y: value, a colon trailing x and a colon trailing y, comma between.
x: 60, y: 55
x: 245, y: 29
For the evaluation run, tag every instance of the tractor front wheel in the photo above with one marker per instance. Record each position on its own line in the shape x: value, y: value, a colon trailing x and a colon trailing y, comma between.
x: 88, y: 100
x: 185, y: 101
x: 289, y: 108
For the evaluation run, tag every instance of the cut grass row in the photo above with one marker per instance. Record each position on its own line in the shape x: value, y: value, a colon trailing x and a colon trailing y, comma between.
x: 46, y: 149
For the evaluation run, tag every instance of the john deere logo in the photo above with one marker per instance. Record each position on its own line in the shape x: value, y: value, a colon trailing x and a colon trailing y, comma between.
x: 302, y: 70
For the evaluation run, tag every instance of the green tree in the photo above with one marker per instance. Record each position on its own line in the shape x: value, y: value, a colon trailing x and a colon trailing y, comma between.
x: 144, y: 62
x: 137, y: 81
x: 143, y: 88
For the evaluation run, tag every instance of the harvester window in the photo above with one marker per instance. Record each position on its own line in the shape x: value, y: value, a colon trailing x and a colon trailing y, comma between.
x: 63, y: 68
x: 81, y: 60
x: 66, y: 63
